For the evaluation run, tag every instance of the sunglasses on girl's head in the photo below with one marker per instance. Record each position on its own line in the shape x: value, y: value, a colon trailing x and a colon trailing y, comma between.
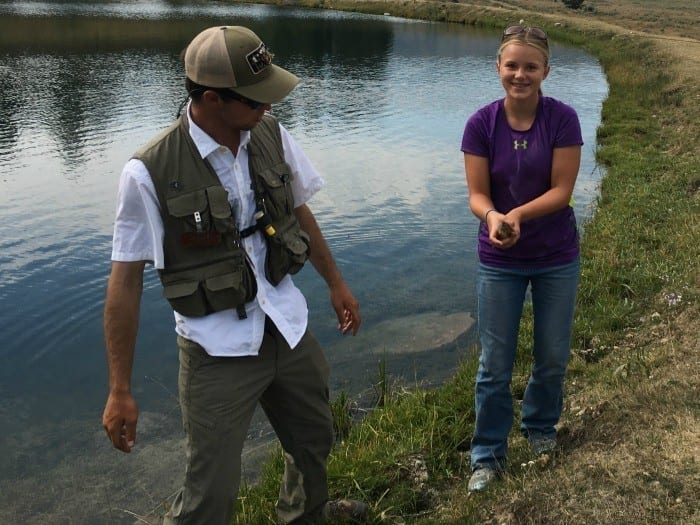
x: 536, y: 32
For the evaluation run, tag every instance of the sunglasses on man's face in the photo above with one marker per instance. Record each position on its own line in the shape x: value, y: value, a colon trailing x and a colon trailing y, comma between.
x: 232, y: 95
x: 536, y: 32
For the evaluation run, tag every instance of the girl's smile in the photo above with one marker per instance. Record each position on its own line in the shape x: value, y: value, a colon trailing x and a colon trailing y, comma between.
x: 522, y: 69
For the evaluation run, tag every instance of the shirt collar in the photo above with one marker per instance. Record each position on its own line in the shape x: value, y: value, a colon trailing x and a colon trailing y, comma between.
x: 205, y: 144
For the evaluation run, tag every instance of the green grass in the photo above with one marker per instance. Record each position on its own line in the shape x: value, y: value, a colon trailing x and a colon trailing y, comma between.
x: 377, y: 461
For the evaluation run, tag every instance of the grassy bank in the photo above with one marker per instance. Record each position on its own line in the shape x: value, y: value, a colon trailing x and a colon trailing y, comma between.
x: 629, y: 432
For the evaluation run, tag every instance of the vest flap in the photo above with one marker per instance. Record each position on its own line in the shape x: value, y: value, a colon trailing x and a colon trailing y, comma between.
x: 222, y: 282
x: 277, y: 175
x: 180, y: 289
x: 296, y: 245
x: 218, y: 202
x: 187, y: 204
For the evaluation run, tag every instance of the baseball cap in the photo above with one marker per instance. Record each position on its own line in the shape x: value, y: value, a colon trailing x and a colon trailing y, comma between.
x: 234, y: 57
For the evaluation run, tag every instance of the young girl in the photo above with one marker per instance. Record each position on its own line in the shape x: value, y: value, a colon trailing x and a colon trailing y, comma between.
x: 522, y: 155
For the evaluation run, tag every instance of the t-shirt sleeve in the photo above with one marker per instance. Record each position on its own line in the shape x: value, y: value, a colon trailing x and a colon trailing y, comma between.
x: 306, y: 179
x: 475, y: 139
x: 569, y: 129
x: 138, y: 227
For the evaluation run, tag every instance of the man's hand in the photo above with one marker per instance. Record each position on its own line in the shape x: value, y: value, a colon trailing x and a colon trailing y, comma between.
x: 344, y: 303
x: 346, y: 308
x: 119, y: 420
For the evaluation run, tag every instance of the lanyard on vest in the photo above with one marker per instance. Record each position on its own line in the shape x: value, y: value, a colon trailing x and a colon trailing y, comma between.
x: 262, y: 218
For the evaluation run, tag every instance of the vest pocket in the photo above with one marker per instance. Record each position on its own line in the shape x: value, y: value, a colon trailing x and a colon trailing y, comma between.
x: 277, y: 180
x: 225, y: 291
x: 218, y: 286
x: 287, y: 252
x: 220, y: 209
x: 204, y: 216
x: 193, y: 209
x: 186, y: 298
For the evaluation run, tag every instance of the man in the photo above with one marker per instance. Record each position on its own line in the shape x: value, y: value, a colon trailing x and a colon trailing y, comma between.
x: 217, y: 203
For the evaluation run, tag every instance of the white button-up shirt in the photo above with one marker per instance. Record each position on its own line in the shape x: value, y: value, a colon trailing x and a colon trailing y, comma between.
x: 138, y: 236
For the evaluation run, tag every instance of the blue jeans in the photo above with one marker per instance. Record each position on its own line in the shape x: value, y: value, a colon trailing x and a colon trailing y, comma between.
x: 501, y: 294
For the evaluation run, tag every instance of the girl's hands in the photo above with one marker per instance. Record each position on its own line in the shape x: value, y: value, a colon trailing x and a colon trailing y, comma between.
x: 504, y: 230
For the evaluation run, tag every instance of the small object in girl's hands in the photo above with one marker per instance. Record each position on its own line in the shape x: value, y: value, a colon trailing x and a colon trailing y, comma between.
x: 504, y: 231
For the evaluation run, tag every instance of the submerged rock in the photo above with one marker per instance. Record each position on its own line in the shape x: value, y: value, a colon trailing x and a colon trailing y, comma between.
x: 412, y: 333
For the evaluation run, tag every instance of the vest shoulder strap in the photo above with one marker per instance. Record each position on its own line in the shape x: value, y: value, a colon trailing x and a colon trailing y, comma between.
x: 174, y: 163
x: 266, y: 140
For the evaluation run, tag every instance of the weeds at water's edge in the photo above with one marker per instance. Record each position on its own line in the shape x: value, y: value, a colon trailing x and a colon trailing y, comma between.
x: 629, y: 434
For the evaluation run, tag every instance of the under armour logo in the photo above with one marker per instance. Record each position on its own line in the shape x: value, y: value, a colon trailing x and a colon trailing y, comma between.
x: 522, y: 145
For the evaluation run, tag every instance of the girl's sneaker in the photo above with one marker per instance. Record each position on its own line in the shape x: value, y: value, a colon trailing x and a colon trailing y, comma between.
x: 482, y: 478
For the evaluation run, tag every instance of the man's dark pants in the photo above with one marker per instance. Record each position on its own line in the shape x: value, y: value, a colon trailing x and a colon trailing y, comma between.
x: 218, y: 396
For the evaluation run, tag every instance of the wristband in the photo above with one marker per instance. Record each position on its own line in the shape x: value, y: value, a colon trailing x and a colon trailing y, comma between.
x: 486, y: 217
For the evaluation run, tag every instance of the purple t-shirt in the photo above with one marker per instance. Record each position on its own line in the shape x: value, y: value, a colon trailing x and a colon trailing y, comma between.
x: 520, y: 166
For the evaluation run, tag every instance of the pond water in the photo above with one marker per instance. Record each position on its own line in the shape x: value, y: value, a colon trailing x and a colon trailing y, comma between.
x: 380, y: 110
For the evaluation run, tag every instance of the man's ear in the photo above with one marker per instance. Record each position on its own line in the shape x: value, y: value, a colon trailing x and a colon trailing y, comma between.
x: 211, y: 97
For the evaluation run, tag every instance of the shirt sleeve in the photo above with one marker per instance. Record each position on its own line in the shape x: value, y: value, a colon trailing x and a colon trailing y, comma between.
x: 307, y: 181
x: 138, y: 227
x: 569, y: 130
x: 475, y: 139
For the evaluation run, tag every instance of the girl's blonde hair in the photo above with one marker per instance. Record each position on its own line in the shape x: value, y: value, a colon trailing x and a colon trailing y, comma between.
x: 524, y: 39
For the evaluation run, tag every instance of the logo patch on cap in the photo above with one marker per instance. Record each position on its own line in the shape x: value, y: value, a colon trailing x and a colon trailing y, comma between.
x: 259, y: 59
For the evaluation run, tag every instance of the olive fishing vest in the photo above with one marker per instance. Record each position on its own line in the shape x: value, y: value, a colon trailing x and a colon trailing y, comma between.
x: 206, y: 269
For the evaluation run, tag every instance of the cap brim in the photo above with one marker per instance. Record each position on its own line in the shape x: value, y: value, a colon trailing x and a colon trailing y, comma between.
x: 273, y: 89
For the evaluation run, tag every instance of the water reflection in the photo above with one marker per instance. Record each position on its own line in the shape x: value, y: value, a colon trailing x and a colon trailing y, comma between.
x: 380, y: 111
